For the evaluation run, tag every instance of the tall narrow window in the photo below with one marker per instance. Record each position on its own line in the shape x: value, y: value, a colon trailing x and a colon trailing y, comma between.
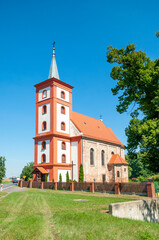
x: 44, y: 109
x: 63, y: 158
x: 63, y: 110
x: 102, y: 157
x: 63, y: 146
x: 43, y: 126
x: 43, y: 147
x: 63, y: 126
x: 63, y: 94
x: 91, y: 156
x: 44, y: 94
x: 118, y: 174
x: 103, y: 178
x: 43, y: 158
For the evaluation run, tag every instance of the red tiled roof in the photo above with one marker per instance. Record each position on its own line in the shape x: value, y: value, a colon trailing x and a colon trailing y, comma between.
x: 40, y: 169
x: 93, y: 128
x: 116, y: 159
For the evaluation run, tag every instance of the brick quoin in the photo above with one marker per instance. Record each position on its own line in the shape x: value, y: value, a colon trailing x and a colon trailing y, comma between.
x: 92, y: 187
x: 150, y: 189
x: 117, y: 188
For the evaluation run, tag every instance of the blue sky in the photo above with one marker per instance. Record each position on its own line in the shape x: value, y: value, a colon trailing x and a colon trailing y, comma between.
x: 82, y: 31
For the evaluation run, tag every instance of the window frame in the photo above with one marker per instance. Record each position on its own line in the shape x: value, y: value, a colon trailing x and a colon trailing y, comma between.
x: 62, y: 94
x: 44, y: 111
x: 118, y: 174
x: 44, y: 91
x: 63, y: 155
x: 63, y: 128
x: 92, y: 156
x: 44, y: 127
x: 42, y: 158
x: 42, y: 146
x: 63, y: 110
x: 103, y: 158
x: 63, y: 145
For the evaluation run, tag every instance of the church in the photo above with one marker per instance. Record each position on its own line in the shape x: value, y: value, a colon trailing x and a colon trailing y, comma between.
x: 66, y: 139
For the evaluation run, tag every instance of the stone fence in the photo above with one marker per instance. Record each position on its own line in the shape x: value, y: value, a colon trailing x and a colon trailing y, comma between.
x: 145, y: 189
x: 144, y: 210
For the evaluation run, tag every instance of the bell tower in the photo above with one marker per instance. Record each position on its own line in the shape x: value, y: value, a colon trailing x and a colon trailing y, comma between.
x: 53, y: 113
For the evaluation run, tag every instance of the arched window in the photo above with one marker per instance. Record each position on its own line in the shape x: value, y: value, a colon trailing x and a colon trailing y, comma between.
x: 43, y: 126
x: 118, y: 174
x: 63, y: 146
x: 43, y: 158
x: 63, y: 126
x: 43, y: 146
x: 63, y: 158
x: 63, y: 110
x: 112, y: 153
x: 102, y: 157
x: 63, y: 94
x: 44, y: 94
x: 44, y: 109
x: 91, y: 156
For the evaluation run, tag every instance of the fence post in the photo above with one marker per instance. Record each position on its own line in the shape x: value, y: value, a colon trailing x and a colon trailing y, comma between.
x: 72, y: 186
x: 30, y: 183
x: 55, y: 185
x: 21, y: 182
x: 92, y: 187
x: 150, y: 189
x: 42, y: 185
x: 117, y: 188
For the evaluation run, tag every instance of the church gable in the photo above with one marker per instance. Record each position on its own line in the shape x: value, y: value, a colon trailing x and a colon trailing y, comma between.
x: 74, y: 130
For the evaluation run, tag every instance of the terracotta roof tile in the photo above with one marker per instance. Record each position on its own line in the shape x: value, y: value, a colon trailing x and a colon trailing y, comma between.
x: 40, y: 169
x: 93, y: 128
x: 116, y: 159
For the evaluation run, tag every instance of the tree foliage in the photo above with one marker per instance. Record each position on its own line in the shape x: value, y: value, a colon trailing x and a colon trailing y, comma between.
x: 138, y: 92
x: 27, y: 171
x: 2, y: 168
x: 136, y: 166
x: 157, y: 34
x: 81, y: 174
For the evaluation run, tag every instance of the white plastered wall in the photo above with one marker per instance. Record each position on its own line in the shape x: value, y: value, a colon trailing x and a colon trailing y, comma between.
x: 45, y: 151
x: 47, y: 96
x: 63, y: 118
x: 63, y: 174
x: 60, y: 152
x: 44, y: 117
x: 74, y: 158
x: 59, y: 90
x: 73, y: 130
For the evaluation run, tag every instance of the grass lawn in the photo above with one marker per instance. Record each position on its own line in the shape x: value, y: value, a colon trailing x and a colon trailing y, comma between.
x: 2, y: 194
x: 47, y: 214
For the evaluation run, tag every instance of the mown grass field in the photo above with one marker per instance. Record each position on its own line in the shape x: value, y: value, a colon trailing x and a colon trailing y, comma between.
x: 2, y: 194
x: 47, y: 214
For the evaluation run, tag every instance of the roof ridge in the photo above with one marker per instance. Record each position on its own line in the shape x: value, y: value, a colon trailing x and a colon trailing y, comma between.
x: 89, y: 116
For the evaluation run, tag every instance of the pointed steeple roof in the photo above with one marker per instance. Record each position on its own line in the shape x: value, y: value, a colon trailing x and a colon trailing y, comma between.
x: 53, y: 68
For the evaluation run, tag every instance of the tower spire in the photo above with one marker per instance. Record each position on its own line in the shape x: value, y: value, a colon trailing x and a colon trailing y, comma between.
x: 53, y: 68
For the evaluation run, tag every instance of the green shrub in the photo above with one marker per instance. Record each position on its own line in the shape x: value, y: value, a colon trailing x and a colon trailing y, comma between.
x: 45, y: 177
x: 53, y: 180
x: 60, y: 178
x: 155, y: 178
x: 81, y: 174
x: 67, y: 177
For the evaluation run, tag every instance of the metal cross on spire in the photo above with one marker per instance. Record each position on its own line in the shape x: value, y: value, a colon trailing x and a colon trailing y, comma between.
x: 54, y: 44
x: 53, y: 68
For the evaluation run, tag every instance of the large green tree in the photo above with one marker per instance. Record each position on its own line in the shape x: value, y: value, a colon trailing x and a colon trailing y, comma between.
x: 137, y: 88
x: 27, y: 171
x: 2, y: 168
